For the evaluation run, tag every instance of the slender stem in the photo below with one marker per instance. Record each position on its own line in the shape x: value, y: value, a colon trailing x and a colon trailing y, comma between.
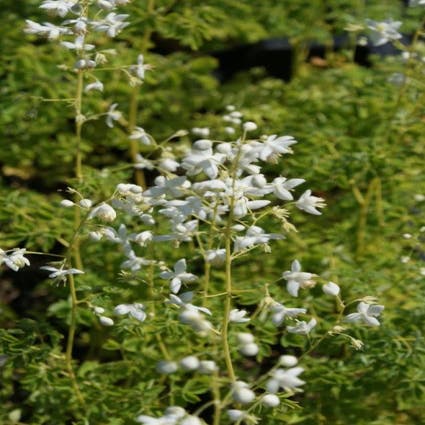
x: 228, y: 276
x: 70, y: 340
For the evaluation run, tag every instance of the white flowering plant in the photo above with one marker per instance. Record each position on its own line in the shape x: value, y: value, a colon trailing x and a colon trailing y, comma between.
x: 183, y: 294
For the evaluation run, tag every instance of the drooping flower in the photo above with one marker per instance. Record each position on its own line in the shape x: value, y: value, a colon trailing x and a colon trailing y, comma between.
x: 136, y: 310
x: 113, y: 115
x: 297, y: 279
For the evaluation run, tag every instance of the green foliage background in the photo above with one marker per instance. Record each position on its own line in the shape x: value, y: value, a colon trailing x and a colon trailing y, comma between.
x: 361, y: 146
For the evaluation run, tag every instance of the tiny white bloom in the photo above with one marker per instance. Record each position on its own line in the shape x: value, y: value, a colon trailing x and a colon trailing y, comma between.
x: 113, y: 115
x: 178, y: 276
x: 15, y: 260
x: 97, y: 85
x: 135, y: 310
x: 238, y: 316
x: 286, y: 379
x: 297, y: 279
x: 366, y: 313
x: 309, y: 203
x: 60, y: 273
x: 302, y: 327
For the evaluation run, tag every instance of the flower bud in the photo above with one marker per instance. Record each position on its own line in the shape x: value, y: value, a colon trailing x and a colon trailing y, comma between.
x: 106, y: 321
x: 245, y: 338
x: 67, y: 203
x: 249, y: 126
x: 207, y: 366
x: 242, y: 394
x: 331, y: 288
x: 189, y: 363
x: 270, y: 400
x: 85, y: 203
x: 250, y: 349
x: 288, y: 360
x: 166, y: 367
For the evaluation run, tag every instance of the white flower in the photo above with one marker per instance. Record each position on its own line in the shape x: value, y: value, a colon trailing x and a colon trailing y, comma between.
x: 59, y: 7
x: 331, y: 288
x: 270, y: 400
x: 201, y: 158
x: 112, y: 24
x: 279, y: 312
x: 135, y: 310
x: 140, y: 134
x: 366, y: 313
x: 273, y: 147
x: 302, y: 328
x: 112, y: 115
x: 97, y: 85
x: 140, y: 68
x: 286, y: 379
x: 297, y: 279
x: 282, y: 187
x: 52, y: 32
x: 238, y: 316
x: 383, y: 32
x: 104, y: 212
x: 178, y: 276
x: 78, y: 44
x: 309, y: 203
x: 15, y: 260
x: 60, y: 273
x: 216, y: 257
